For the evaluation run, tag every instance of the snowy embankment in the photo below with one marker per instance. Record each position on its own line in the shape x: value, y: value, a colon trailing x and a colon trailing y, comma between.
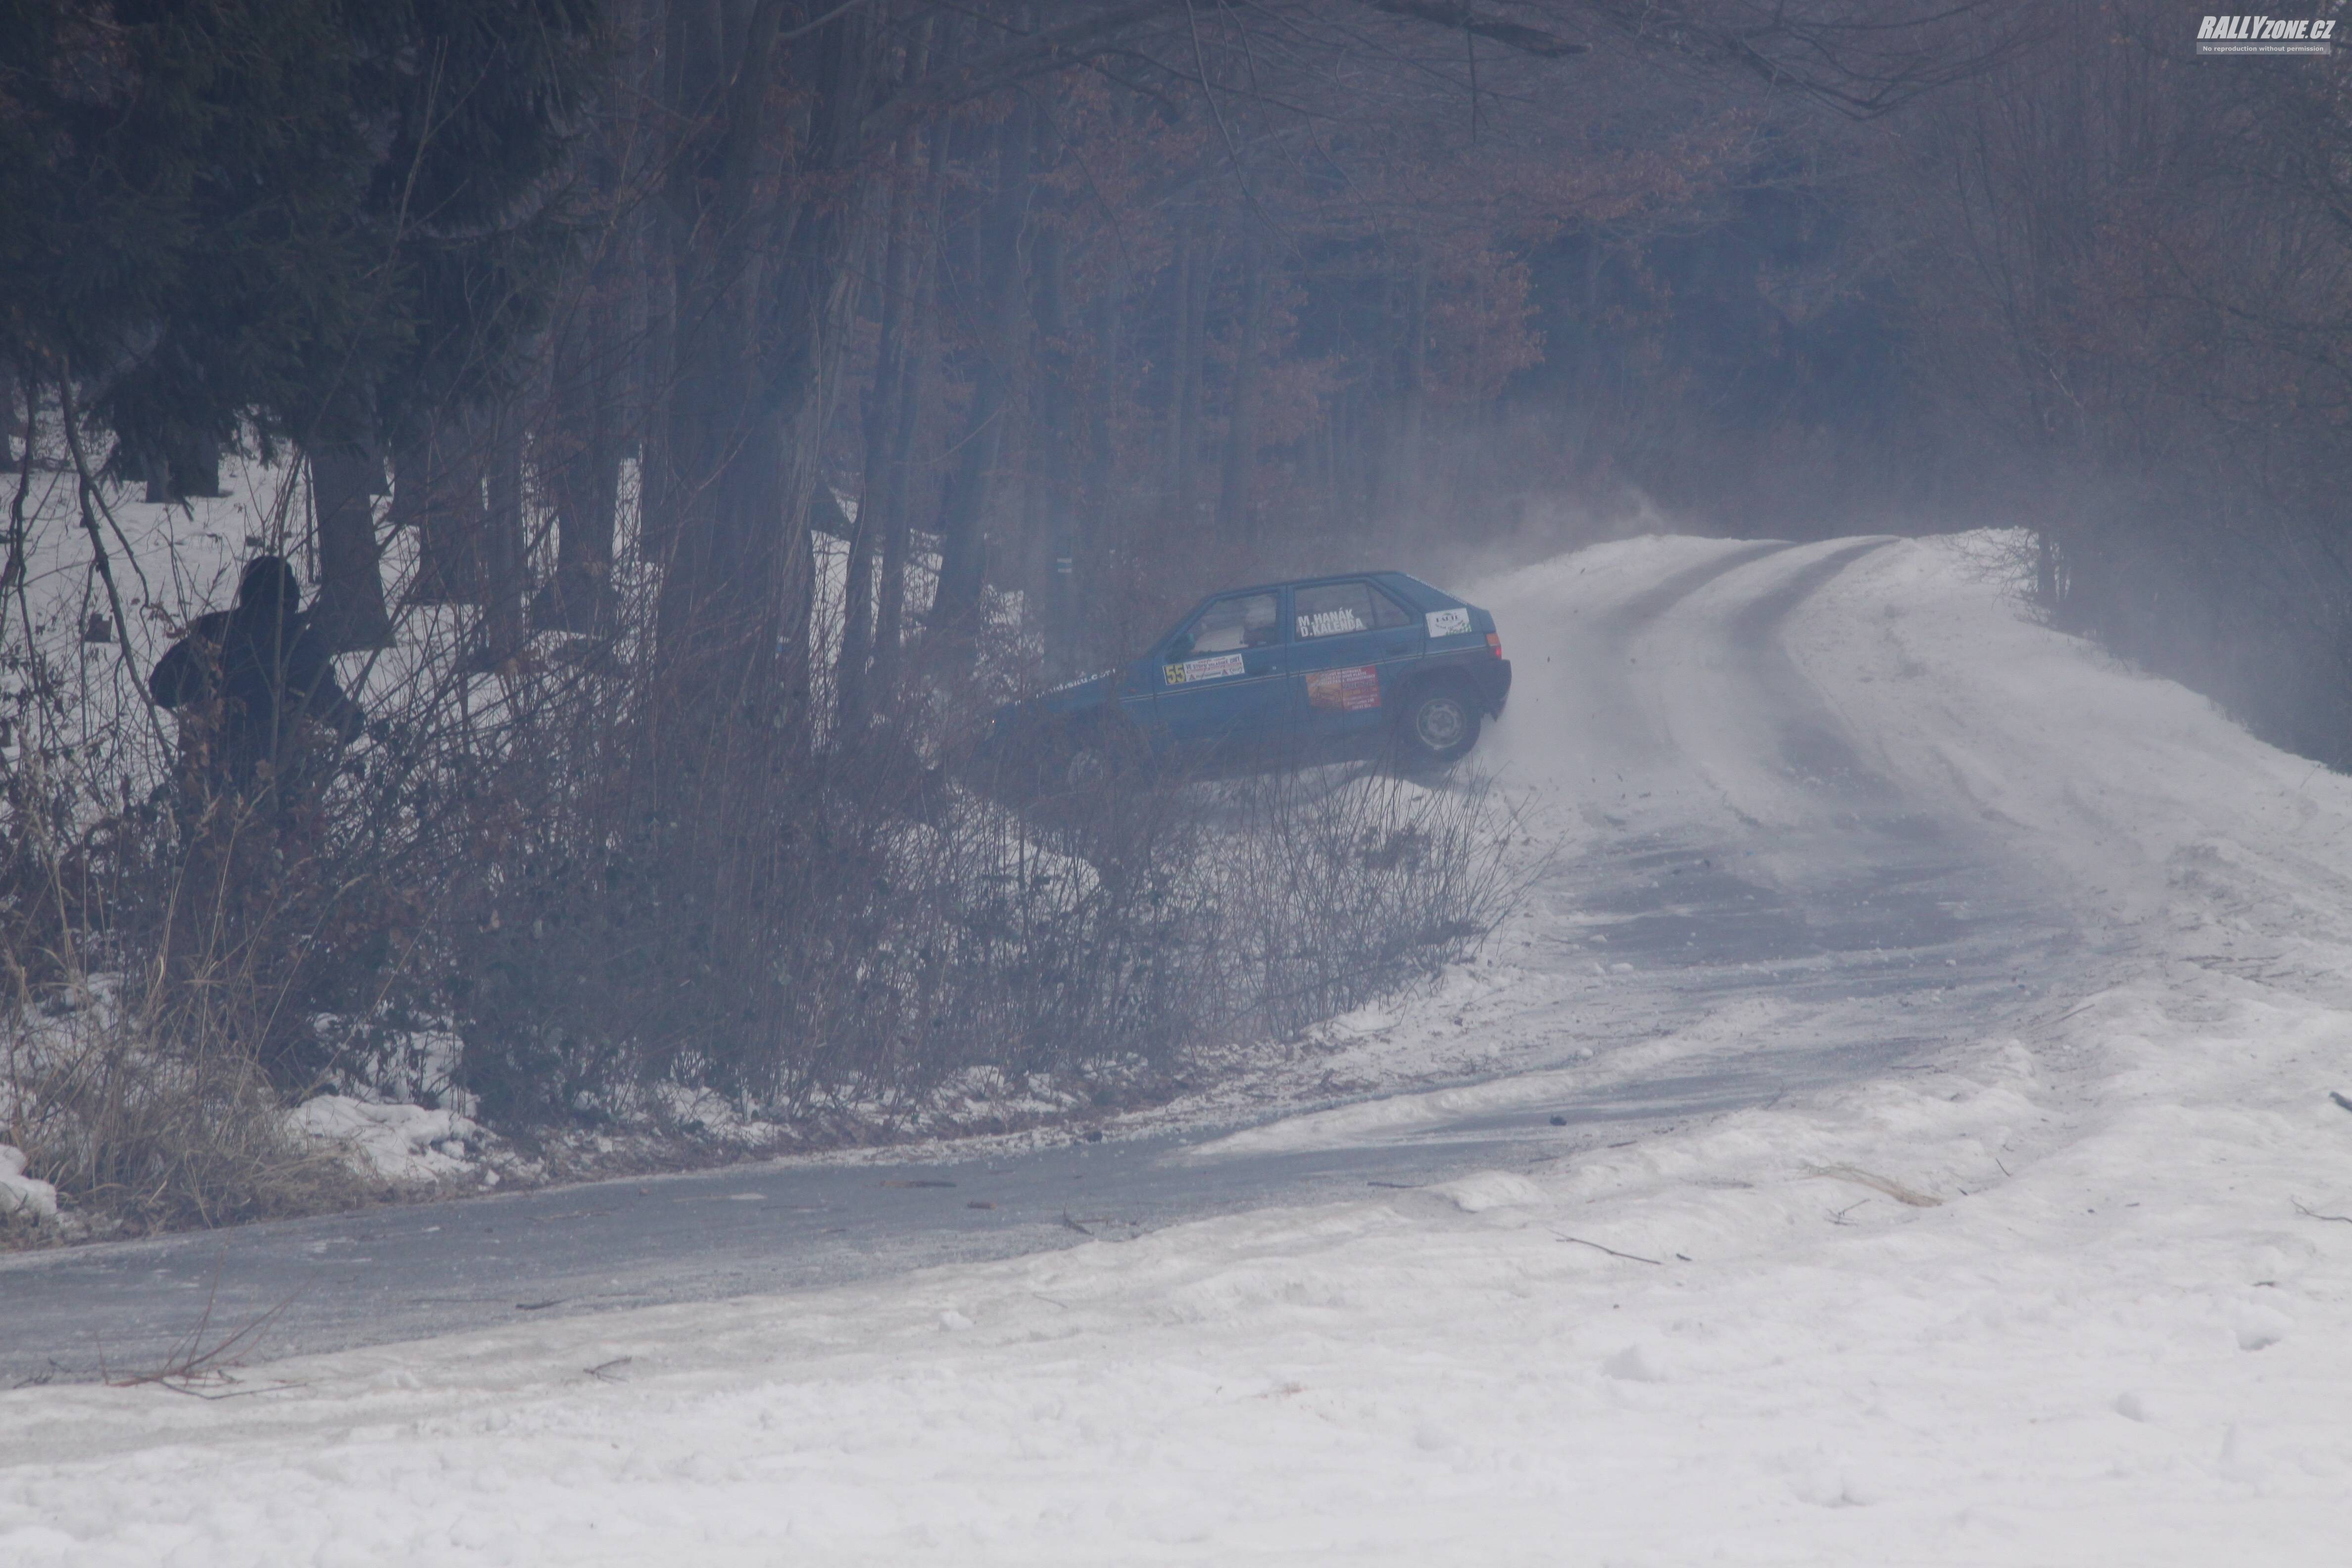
x: 2081, y: 1295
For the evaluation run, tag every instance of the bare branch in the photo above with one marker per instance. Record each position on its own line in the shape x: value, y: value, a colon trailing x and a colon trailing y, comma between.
x: 1628, y: 1256
x: 1053, y: 49
x: 1113, y: 28
x: 1861, y: 65
x: 1511, y: 35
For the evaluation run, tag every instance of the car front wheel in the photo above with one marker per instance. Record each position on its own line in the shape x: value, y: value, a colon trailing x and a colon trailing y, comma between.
x: 1436, y: 726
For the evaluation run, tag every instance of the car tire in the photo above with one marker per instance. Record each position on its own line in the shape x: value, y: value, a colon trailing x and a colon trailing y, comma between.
x: 1436, y: 726
x: 1093, y: 759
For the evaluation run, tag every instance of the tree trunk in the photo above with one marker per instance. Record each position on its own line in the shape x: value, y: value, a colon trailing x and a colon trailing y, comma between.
x: 657, y: 375
x: 438, y: 490
x: 889, y: 608
x: 1051, y: 464
x: 720, y: 538
x: 1405, y: 483
x: 1102, y: 455
x: 502, y: 546
x: 1192, y: 353
x: 1235, y: 517
x: 1184, y: 360
x: 188, y: 471
x: 763, y: 298
x: 344, y: 479
x: 577, y: 457
x: 963, y: 567
x: 874, y: 495
x: 582, y: 477
x: 883, y: 494
x: 1102, y: 514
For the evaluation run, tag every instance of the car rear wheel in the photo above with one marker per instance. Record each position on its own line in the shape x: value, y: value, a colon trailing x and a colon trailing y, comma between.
x: 1088, y: 767
x: 1096, y: 757
x: 1436, y: 726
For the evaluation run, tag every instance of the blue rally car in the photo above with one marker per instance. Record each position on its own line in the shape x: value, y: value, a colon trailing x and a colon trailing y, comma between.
x: 1284, y: 672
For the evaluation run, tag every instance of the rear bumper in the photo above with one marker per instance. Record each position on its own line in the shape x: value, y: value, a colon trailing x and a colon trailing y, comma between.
x: 1494, y: 684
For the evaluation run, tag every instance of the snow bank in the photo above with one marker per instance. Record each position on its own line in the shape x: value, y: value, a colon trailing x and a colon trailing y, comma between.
x: 398, y: 1142
x: 2122, y: 783
x: 22, y: 1197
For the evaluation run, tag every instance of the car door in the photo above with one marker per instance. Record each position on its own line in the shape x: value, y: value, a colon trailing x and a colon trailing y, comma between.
x: 1220, y: 676
x: 1350, y: 641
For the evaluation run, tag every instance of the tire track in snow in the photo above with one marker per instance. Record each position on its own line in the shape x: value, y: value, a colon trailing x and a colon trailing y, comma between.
x: 1650, y: 603
x: 1758, y: 890
x: 1814, y: 744
x: 1620, y: 731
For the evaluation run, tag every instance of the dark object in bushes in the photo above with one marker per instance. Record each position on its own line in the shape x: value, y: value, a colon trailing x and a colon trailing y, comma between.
x: 268, y: 666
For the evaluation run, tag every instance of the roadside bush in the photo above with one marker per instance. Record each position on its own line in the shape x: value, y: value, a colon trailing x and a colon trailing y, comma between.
x: 876, y: 927
x: 831, y: 932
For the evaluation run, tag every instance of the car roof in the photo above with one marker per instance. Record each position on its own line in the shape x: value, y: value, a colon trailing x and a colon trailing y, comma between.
x: 1412, y: 587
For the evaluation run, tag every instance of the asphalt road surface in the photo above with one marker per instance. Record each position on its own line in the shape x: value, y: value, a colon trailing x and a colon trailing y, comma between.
x: 1863, y: 932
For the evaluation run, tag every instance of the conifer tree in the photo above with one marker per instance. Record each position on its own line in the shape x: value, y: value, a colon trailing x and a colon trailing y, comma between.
x: 304, y: 219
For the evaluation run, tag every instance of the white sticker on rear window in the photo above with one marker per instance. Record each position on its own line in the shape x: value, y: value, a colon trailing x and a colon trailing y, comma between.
x: 1447, y: 623
x: 1193, y: 670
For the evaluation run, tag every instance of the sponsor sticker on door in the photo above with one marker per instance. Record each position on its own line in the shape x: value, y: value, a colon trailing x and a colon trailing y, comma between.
x: 1350, y: 690
x: 1198, y: 669
x: 1448, y: 623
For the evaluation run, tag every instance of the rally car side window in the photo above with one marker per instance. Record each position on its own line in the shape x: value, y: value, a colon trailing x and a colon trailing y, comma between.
x: 1335, y: 609
x: 1229, y: 625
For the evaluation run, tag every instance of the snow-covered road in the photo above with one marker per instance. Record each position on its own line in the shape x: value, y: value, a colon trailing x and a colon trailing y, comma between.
x: 1939, y: 1021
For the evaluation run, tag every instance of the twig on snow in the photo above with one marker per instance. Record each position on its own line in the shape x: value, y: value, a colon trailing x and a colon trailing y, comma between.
x: 1893, y: 1189
x: 196, y: 1359
x: 1629, y: 1257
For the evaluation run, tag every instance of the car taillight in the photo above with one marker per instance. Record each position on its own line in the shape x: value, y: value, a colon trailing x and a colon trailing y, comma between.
x: 1495, y: 644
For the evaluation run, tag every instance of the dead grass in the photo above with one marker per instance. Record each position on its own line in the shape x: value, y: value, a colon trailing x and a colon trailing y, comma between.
x: 1894, y: 1189
x: 142, y: 1127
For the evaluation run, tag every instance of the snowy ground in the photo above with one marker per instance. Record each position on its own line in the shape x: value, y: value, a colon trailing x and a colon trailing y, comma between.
x: 2075, y: 1292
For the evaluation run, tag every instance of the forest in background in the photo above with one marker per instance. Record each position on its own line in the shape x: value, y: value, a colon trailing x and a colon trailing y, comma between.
x: 702, y: 412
